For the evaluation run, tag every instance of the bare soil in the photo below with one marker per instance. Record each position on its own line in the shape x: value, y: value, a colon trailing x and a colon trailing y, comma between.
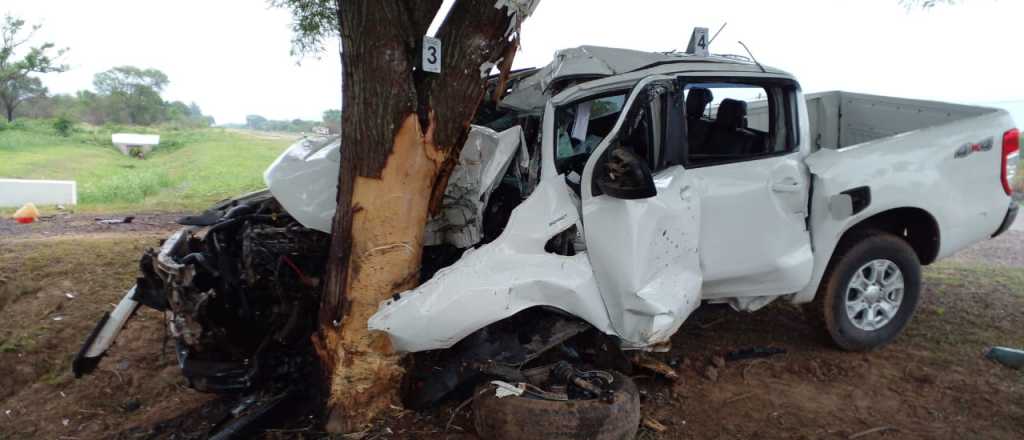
x: 932, y: 382
x: 67, y: 223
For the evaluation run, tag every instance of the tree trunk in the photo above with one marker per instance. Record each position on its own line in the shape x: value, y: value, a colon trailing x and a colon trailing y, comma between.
x: 402, y: 131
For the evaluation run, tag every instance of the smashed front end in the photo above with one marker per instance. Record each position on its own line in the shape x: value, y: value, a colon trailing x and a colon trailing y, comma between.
x: 240, y: 287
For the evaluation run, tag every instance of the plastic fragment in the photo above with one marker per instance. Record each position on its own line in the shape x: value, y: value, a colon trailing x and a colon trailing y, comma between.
x: 1010, y: 357
x: 505, y: 389
x: 27, y: 213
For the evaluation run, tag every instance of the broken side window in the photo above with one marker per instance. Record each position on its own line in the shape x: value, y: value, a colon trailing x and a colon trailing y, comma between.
x: 580, y: 127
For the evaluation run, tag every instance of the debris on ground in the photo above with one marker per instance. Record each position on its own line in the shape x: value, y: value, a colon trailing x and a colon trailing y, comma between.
x: 711, y: 373
x: 753, y: 353
x: 654, y: 425
x: 1009, y: 357
x: 718, y: 361
x: 646, y: 362
x: 28, y: 213
x: 505, y: 389
x: 871, y: 431
x: 115, y: 221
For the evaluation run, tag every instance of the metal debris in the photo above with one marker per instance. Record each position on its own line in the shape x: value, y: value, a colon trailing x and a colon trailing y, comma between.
x: 115, y: 221
x: 753, y: 353
x: 1009, y: 357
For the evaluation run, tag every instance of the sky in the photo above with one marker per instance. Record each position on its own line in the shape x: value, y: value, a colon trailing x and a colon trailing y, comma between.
x: 232, y: 56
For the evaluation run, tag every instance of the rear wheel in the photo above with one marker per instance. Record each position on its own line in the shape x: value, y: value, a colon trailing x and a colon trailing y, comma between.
x: 870, y: 290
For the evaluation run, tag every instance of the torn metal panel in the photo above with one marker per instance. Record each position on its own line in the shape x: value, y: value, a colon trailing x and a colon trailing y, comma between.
x: 304, y: 181
x: 500, y: 279
x: 483, y: 162
x: 584, y: 62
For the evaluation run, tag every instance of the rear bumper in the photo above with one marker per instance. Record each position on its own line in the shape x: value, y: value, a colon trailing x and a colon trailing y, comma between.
x: 1011, y: 215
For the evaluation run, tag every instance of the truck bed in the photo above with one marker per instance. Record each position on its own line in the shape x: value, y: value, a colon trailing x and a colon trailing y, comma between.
x: 843, y: 119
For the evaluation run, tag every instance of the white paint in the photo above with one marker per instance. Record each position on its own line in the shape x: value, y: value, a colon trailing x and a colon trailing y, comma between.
x: 499, y: 279
x: 17, y: 192
x: 126, y: 141
x: 483, y: 161
x: 304, y: 180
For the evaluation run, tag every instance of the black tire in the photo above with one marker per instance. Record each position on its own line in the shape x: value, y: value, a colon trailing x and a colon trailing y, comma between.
x: 829, y: 304
x: 528, y: 418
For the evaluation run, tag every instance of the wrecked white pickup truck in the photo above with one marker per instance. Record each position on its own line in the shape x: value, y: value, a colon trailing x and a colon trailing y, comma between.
x: 612, y: 191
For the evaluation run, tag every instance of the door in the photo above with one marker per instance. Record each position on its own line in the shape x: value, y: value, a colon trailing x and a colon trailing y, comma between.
x: 641, y: 220
x: 744, y: 158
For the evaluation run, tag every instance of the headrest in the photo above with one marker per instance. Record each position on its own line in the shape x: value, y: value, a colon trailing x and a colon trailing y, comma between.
x: 732, y: 113
x: 697, y: 101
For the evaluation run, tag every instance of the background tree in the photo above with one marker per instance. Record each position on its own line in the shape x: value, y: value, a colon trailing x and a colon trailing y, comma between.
x: 133, y: 94
x: 402, y: 130
x: 19, y: 89
x: 332, y: 120
x: 255, y: 122
x: 14, y: 70
x: 128, y: 79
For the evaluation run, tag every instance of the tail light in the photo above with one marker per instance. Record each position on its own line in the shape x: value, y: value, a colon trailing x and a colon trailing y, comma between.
x: 1011, y: 155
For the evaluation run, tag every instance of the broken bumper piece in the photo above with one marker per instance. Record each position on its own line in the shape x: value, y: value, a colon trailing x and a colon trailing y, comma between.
x: 103, y: 336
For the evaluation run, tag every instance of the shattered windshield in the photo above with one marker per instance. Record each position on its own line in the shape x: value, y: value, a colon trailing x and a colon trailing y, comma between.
x: 581, y: 126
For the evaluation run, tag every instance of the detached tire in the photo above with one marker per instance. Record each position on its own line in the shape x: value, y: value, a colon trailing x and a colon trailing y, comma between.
x: 869, y: 291
x: 528, y: 418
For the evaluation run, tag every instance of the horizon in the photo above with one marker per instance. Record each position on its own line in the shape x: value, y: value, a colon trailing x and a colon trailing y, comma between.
x: 233, y: 60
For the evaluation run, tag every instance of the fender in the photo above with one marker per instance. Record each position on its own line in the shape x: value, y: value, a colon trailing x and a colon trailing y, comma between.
x: 500, y: 279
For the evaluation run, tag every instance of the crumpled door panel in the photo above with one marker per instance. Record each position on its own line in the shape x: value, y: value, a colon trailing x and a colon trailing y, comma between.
x: 499, y: 279
x: 645, y: 254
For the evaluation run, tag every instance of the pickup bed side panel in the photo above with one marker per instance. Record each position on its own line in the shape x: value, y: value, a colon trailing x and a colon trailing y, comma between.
x: 917, y: 169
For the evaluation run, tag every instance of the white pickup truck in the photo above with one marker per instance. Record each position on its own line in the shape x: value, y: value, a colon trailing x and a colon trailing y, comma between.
x: 714, y: 179
x: 617, y: 190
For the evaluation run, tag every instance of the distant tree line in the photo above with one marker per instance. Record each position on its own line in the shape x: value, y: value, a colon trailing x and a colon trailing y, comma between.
x: 331, y: 121
x: 123, y: 95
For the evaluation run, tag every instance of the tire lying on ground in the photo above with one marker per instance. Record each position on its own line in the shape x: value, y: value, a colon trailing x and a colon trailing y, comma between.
x: 869, y: 291
x: 525, y: 417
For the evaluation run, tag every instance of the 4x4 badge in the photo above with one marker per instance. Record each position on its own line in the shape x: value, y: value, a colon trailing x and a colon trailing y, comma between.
x: 968, y: 148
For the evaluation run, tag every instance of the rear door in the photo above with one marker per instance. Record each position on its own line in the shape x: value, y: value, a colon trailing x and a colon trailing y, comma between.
x: 743, y: 154
x: 644, y: 251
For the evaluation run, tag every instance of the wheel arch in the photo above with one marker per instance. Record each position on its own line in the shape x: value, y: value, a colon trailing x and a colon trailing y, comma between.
x: 914, y: 225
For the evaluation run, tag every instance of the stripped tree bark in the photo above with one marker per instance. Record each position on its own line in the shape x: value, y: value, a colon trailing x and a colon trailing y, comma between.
x: 402, y: 130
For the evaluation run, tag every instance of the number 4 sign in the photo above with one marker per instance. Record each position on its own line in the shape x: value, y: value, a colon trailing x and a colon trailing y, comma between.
x: 698, y: 42
x: 431, y: 55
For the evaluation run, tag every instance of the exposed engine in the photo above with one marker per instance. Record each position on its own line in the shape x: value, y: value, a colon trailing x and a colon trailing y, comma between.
x: 241, y: 295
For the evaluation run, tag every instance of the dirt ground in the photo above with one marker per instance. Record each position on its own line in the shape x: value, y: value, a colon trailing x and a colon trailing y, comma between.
x: 933, y: 382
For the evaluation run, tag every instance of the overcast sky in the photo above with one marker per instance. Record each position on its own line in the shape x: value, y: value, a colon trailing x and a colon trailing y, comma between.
x: 232, y: 56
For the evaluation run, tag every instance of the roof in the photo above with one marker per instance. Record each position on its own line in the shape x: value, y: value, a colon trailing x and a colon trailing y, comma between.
x: 594, y: 62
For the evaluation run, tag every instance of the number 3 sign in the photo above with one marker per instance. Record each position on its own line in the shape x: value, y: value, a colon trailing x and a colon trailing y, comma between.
x: 431, y: 55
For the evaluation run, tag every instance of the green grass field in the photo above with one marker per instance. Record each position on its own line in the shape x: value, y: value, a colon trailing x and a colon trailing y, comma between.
x: 191, y: 169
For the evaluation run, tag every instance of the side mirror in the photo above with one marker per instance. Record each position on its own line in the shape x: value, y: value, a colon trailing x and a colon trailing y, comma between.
x: 624, y: 175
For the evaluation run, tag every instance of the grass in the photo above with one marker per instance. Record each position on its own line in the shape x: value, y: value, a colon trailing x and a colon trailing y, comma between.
x: 189, y: 170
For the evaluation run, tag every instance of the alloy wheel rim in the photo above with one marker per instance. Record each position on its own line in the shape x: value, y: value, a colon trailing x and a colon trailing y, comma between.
x: 874, y: 295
